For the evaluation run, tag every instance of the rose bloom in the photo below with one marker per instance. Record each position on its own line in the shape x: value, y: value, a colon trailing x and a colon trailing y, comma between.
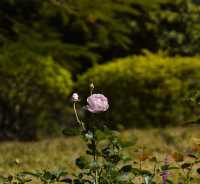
x: 75, y: 97
x: 97, y: 103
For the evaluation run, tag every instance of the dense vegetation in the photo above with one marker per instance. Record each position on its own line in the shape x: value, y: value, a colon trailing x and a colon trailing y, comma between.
x: 33, y: 92
x: 146, y: 90
x: 42, y: 41
x: 82, y: 32
x: 142, y: 57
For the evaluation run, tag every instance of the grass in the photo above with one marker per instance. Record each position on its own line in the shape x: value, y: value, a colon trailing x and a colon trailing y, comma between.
x: 53, y: 154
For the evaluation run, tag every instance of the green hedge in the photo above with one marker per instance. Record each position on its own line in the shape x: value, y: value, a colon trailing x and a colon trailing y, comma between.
x: 33, y: 94
x: 145, y: 90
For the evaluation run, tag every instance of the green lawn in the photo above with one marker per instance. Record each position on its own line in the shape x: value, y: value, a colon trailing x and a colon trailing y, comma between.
x: 56, y: 153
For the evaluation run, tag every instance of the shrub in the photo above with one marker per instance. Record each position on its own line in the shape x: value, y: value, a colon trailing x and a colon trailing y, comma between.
x: 178, y: 29
x: 80, y: 33
x: 32, y: 94
x: 145, y: 90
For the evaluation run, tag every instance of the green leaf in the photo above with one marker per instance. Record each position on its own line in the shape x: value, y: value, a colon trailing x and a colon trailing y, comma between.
x: 172, y: 168
x: 115, y: 158
x: 193, y: 156
x: 126, y: 169
x: 91, y: 147
x: 81, y: 162
x: 67, y: 180
x: 198, y: 171
x: 169, y: 181
x: 185, y: 165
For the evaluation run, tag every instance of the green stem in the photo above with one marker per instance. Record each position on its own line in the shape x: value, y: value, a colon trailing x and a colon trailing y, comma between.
x: 77, y: 118
x: 140, y: 165
x: 96, y: 177
x: 95, y: 158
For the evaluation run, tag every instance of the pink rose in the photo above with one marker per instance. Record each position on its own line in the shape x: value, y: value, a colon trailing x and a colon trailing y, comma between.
x: 97, y: 103
x: 75, y: 97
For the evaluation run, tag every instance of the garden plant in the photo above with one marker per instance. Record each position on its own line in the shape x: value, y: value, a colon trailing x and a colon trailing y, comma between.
x: 105, y: 161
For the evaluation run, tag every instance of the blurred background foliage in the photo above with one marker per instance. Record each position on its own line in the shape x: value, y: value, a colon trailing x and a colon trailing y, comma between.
x: 146, y: 90
x: 46, y: 45
x: 33, y: 92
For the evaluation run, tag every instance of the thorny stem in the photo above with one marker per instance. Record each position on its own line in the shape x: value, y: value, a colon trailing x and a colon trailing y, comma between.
x: 77, y: 118
x: 93, y: 141
x: 95, y: 157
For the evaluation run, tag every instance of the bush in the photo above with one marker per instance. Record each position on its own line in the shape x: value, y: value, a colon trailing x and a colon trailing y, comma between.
x: 32, y: 95
x: 178, y: 29
x: 73, y: 32
x: 80, y: 33
x: 145, y: 90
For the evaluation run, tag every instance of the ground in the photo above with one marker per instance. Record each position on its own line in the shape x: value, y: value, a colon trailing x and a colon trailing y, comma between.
x: 56, y: 153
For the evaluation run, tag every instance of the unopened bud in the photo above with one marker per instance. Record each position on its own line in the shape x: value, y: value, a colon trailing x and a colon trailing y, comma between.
x: 92, y: 86
x: 75, y: 97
